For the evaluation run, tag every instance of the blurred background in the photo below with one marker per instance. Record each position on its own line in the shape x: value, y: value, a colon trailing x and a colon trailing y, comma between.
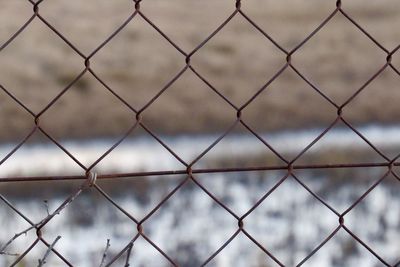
x: 189, y: 116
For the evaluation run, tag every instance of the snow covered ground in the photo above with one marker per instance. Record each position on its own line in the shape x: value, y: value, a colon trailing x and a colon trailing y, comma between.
x: 190, y: 226
x: 144, y: 153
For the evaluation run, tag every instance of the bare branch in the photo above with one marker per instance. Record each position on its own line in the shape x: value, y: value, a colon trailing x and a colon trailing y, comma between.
x: 103, y: 260
x: 9, y: 254
x: 50, y: 248
x: 128, y: 255
x: 45, y: 220
x: 46, y: 204
x: 9, y: 242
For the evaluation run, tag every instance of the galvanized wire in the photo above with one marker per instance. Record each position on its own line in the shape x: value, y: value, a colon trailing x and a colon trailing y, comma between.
x: 290, y: 165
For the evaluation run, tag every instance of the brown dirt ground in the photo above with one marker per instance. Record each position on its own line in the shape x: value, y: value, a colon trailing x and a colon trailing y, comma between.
x: 238, y: 61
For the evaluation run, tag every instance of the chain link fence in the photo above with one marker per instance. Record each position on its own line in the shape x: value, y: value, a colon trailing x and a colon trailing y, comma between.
x: 90, y: 178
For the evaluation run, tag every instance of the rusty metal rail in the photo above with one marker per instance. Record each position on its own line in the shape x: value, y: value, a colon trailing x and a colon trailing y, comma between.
x: 89, y: 177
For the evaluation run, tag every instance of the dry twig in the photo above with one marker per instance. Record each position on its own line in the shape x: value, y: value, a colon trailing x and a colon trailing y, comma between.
x: 103, y: 260
x: 50, y: 248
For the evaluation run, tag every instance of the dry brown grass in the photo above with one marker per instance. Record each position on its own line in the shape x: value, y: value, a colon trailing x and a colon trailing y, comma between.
x: 238, y: 61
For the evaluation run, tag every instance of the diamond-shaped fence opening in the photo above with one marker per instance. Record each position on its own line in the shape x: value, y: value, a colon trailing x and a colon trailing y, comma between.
x: 199, y: 133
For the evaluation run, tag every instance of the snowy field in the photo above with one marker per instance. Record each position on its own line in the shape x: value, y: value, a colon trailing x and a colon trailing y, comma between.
x: 190, y: 226
x: 145, y: 153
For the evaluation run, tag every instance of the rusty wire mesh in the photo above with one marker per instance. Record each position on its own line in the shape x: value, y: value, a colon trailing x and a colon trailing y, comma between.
x: 90, y: 177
